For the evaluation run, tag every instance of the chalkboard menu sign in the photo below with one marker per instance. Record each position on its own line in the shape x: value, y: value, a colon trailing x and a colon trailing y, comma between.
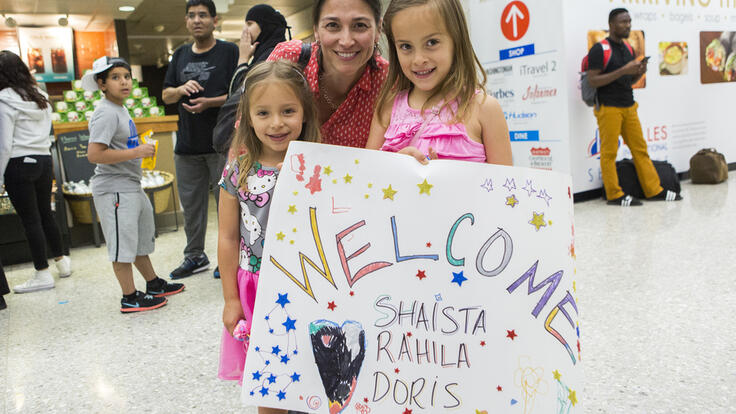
x: 73, y: 149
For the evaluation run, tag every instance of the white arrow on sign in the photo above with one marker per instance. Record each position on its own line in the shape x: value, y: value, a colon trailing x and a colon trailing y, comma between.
x: 515, y: 14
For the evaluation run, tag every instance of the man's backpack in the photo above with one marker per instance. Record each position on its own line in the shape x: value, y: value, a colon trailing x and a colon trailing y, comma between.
x: 629, y: 180
x: 587, y: 91
x: 222, y: 134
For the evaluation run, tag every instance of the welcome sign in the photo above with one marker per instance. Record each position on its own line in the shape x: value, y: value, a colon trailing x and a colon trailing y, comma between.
x: 388, y: 286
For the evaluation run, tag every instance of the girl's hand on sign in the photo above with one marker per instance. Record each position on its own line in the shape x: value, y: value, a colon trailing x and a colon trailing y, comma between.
x: 419, y: 155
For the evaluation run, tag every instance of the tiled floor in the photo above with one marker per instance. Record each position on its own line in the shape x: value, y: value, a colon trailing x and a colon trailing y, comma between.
x: 655, y: 289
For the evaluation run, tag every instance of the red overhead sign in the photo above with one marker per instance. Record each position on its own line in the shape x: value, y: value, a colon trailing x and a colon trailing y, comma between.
x: 515, y: 20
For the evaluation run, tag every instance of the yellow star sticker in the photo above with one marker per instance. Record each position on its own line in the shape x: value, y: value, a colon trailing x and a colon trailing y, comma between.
x: 357, y: 161
x: 389, y: 193
x: 557, y: 374
x: 424, y: 187
x: 347, y: 178
x: 367, y: 196
x: 573, y: 398
x: 292, y: 209
x: 280, y: 236
x: 328, y: 170
x: 538, y: 220
x: 370, y: 185
x: 574, y: 289
x: 334, y: 181
x: 291, y: 241
x: 512, y: 201
x: 296, y: 193
x: 294, y: 229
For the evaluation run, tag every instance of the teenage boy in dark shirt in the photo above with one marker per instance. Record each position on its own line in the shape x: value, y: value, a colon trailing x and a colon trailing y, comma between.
x: 197, y: 80
x: 617, y: 113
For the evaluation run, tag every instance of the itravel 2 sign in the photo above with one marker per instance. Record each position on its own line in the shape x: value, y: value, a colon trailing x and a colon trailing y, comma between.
x: 515, y: 20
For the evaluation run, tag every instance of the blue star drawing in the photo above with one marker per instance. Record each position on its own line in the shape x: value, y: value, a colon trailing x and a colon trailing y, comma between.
x: 510, y: 184
x: 274, y: 348
x: 487, y: 185
x: 438, y: 297
x: 543, y: 195
x: 283, y: 299
x: 458, y: 278
x: 528, y: 188
x: 289, y: 324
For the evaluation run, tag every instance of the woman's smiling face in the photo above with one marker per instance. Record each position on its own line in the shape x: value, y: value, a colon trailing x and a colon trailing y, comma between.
x: 347, y: 33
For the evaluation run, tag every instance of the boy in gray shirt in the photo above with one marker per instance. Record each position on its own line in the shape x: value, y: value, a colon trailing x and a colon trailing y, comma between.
x: 125, y: 213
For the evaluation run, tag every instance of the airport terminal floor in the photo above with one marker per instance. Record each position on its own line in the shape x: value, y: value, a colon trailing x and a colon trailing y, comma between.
x: 655, y: 289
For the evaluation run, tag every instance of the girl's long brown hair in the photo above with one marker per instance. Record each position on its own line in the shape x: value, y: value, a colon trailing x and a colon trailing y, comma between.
x: 463, y: 79
x: 245, y: 136
x: 15, y: 74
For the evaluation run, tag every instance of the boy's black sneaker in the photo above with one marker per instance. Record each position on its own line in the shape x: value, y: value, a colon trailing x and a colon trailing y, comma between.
x: 141, y: 302
x: 190, y: 266
x: 160, y: 288
x: 666, y: 195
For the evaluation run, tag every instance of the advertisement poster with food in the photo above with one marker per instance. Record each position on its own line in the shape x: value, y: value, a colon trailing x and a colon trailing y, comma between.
x: 672, y: 58
x: 718, y: 57
x: 48, y: 52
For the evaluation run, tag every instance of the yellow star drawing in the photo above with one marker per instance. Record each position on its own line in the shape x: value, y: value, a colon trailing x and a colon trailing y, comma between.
x: 291, y: 241
x: 367, y: 196
x: 294, y: 229
x: 357, y: 161
x: 370, y: 185
x: 557, y: 374
x: 280, y: 236
x: 347, y: 178
x: 296, y: 193
x: 574, y: 289
x: 292, y: 209
x: 538, y: 220
x: 512, y: 201
x: 573, y: 398
x: 424, y: 187
x: 389, y: 193
x: 334, y: 181
x: 328, y: 170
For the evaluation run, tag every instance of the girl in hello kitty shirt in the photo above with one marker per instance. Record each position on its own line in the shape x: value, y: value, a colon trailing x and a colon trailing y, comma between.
x: 276, y: 108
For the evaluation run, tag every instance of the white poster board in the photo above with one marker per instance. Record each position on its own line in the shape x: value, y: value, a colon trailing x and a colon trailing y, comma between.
x: 387, y: 286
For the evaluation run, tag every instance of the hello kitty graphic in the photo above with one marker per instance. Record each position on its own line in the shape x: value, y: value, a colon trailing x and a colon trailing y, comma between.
x: 258, y: 185
x: 250, y: 222
x: 245, y: 253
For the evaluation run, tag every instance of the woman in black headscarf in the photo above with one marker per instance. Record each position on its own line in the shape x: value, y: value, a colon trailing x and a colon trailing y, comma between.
x: 264, y: 29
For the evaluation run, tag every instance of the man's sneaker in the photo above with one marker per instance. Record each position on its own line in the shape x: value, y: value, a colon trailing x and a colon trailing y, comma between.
x: 216, y: 273
x: 160, y: 288
x: 41, y: 280
x: 190, y: 266
x: 141, y: 302
x: 666, y: 195
x: 625, y: 201
x: 64, y: 266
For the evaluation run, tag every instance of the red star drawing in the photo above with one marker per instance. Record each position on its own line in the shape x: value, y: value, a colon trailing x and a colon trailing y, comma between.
x: 407, y: 411
x: 429, y: 244
x: 511, y: 334
x: 331, y: 305
x: 421, y: 274
x: 499, y: 388
x: 408, y: 334
x: 352, y: 293
x: 568, y: 193
x: 396, y: 370
x: 365, y: 400
x: 578, y: 346
x: 482, y: 343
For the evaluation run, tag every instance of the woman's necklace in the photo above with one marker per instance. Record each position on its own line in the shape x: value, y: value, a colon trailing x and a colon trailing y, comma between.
x: 325, y: 94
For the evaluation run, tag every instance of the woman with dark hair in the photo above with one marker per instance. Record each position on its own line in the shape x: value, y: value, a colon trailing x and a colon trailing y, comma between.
x: 25, y: 167
x: 345, y: 70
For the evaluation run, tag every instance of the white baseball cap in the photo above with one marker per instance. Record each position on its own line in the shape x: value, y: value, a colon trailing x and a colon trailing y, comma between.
x: 98, y: 66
